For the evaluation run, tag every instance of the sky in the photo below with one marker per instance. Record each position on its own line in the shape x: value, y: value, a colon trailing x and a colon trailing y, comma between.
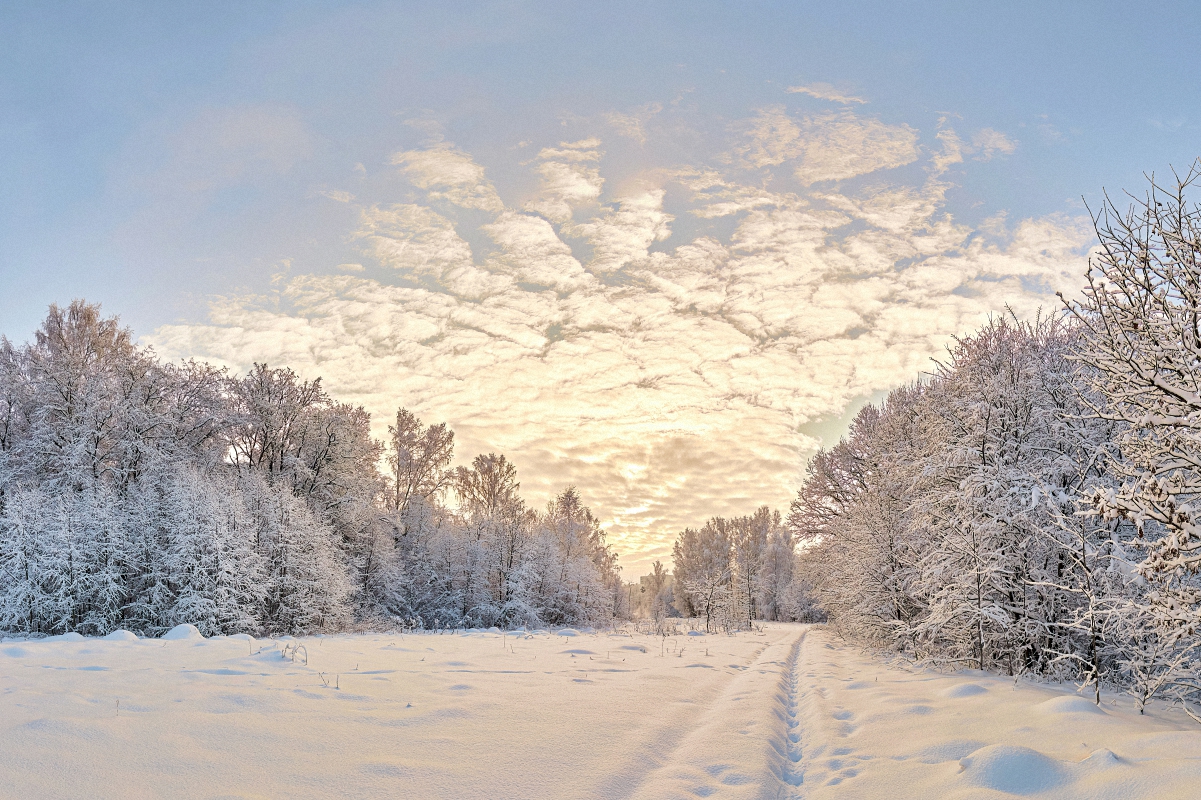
x: 660, y: 251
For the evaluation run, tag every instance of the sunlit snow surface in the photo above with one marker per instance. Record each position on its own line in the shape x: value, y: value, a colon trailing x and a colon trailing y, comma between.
x: 786, y: 713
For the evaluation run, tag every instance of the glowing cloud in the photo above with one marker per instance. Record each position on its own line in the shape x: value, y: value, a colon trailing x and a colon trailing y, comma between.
x: 666, y: 363
x: 824, y: 91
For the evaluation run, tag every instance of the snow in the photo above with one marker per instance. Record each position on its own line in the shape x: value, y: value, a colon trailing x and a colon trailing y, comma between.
x: 786, y: 712
x: 182, y: 632
x: 121, y: 636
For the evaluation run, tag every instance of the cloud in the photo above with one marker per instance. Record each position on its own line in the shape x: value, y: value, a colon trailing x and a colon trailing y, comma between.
x: 624, y: 232
x: 413, y: 238
x: 824, y: 91
x: 633, y: 125
x: 989, y: 143
x: 570, y: 179
x: 336, y: 194
x: 532, y: 253
x: 598, y: 342
x: 952, y: 152
x: 449, y: 174
x: 832, y: 146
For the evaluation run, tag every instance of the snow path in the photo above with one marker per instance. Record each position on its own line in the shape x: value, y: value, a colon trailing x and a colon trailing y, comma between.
x: 786, y: 714
x: 794, y: 771
x: 737, y: 747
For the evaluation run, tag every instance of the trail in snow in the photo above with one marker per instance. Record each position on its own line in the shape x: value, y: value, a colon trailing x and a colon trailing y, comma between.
x: 794, y: 770
x: 783, y: 714
x: 737, y: 746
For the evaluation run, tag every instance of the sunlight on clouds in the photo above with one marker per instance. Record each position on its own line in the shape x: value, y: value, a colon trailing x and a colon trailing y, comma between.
x: 449, y: 175
x: 532, y: 253
x: 624, y: 234
x: 413, y: 238
x: 831, y: 146
x: 667, y: 376
x: 824, y: 91
x: 570, y: 179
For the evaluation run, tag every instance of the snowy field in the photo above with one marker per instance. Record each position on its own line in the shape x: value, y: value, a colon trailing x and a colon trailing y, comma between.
x: 788, y: 712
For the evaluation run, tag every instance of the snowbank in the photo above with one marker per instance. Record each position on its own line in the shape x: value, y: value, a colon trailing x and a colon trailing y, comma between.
x: 788, y: 713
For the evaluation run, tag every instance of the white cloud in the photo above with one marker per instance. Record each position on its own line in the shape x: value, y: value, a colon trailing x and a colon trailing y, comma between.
x: 633, y: 124
x: 336, y: 194
x: 989, y: 143
x: 532, y: 253
x: 824, y: 91
x: 831, y: 146
x: 413, y: 238
x: 668, y: 383
x: 449, y: 174
x: 625, y: 233
x: 570, y: 179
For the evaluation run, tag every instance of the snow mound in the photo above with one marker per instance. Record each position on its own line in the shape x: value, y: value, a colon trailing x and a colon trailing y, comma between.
x: 567, y: 632
x: 121, y: 636
x: 66, y: 637
x: 1069, y: 704
x: 1013, y: 769
x: 1100, y: 760
x: 696, y: 633
x: 180, y: 632
x: 964, y: 690
x: 245, y: 637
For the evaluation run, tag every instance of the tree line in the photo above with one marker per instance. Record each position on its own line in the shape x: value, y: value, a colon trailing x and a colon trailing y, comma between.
x: 734, y: 571
x: 1030, y: 506
x: 139, y: 494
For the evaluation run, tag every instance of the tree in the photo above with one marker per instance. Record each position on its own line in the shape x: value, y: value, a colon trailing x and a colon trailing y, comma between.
x: 419, y: 459
x: 1141, y: 322
x: 748, y: 549
x: 143, y: 495
x: 778, y: 571
x: 855, y: 515
x: 578, y: 569
x: 702, y: 566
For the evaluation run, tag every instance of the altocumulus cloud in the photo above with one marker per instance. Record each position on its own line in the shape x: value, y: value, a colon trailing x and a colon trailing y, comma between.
x: 663, y: 362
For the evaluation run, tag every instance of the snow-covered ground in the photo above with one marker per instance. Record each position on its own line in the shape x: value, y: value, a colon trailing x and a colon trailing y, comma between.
x: 789, y: 712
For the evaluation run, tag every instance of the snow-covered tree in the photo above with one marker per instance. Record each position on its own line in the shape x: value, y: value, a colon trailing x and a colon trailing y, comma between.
x: 1141, y: 322
x: 142, y: 495
x: 855, y: 512
x: 418, y: 460
x: 703, y: 567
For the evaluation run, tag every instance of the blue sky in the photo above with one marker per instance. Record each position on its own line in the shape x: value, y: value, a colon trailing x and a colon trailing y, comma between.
x: 244, y: 184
